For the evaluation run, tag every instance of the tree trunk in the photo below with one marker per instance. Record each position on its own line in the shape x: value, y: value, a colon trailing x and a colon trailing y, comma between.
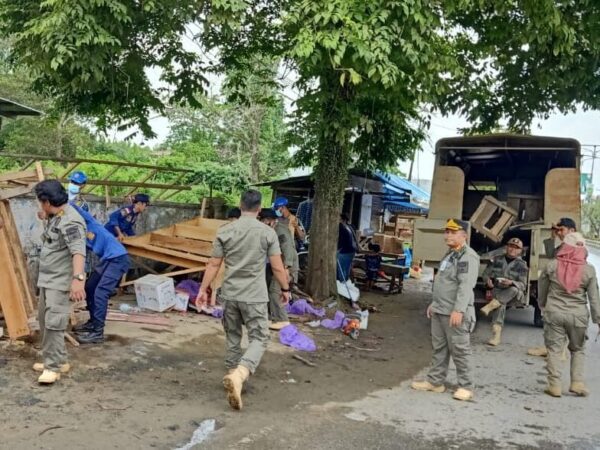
x: 331, y: 176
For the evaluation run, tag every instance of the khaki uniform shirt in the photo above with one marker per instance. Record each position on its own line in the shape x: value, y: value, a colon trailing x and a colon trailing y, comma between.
x: 63, y: 237
x: 515, y: 270
x: 288, y: 249
x: 553, y: 297
x: 245, y: 245
x: 454, y: 283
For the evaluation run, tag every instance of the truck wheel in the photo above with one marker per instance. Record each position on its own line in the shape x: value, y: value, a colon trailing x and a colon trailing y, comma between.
x: 537, y: 317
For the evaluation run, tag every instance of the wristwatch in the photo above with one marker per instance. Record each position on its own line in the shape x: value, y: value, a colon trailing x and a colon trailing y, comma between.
x: 79, y: 276
x: 286, y: 290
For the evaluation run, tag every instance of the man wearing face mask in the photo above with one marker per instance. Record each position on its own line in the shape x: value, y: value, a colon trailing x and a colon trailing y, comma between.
x: 121, y: 222
x: 77, y: 182
x: 285, y: 216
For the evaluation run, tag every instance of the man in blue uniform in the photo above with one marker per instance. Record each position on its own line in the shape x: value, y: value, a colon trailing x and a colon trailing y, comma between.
x: 114, y: 263
x: 77, y: 181
x: 121, y: 223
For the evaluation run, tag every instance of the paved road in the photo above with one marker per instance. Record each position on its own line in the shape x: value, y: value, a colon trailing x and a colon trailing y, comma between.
x: 510, y: 409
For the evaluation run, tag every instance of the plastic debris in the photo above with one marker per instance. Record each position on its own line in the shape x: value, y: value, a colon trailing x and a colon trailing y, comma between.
x: 292, y: 337
x: 301, y: 307
x: 336, y: 322
x: 200, y: 434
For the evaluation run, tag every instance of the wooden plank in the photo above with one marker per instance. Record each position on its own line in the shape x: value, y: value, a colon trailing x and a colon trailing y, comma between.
x: 143, y: 180
x: 170, y: 274
x: 157, y: 256
x: 18, y: 258
x: 139, y: 318
x: 89, y: 189
x: 39, y: 170
x: 203, y: 207
x: 71, y: 168
x: 194, y: 232
x: 182, y: 244
x: 10, y: 176
x: 178, y: 254
x: 133, y: 184
x: 11, y: 297
x: 5, y: 194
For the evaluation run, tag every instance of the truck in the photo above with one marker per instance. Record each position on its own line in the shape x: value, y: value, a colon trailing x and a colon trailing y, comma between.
x: 506, y: 186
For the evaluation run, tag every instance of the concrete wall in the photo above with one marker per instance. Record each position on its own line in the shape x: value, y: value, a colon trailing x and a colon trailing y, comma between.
x: 159, y: 215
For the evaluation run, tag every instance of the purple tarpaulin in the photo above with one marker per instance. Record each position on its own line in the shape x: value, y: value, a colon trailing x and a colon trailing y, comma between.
x: 336, y: 322
x: 292, y: 337
x: 190, y: 287
x: 301, y: 307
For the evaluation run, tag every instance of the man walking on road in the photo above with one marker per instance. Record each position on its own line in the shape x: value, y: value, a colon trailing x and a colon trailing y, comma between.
x: 506, y: 276
x: 566, y: 286
x: 452, y: 313
x: 244, y: 245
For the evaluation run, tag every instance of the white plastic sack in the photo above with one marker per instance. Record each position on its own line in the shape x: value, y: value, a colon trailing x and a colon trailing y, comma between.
x: 348, y: 290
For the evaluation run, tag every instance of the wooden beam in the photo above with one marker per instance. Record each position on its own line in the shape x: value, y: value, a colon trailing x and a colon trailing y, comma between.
x: 28, y: 164
x: 143, y: 180
x: 95, y: 161
x: 170, y: 274
x: 89, y: 189
x: 10, y: 176
x: 39, y: 170
x: 71, y: 168
x: 177, y: 180
x: 133, y: 184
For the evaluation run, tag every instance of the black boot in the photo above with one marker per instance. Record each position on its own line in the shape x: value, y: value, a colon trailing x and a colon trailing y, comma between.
x: 95, y: 336
x: 83, y: 327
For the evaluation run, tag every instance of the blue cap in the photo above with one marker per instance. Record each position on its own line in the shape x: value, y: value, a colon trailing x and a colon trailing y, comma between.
x: 279, y: 202
x: 78, y: 177
x: 142, y: 198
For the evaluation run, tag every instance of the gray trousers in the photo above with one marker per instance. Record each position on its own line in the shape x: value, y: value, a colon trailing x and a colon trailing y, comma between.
x: 277, y: 311
x: 255, y: 317
x: 560, y: 329
x: 54, y: 309
x: 449, y: 342
x: 504, y: 296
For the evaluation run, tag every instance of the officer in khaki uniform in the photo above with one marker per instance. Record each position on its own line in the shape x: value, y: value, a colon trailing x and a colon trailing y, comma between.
x: 61, y: 275
x: 244, y: 245
x: 277, y: 311
x: 507, y: 277
x: 452, y: 313
x: 566, y: 286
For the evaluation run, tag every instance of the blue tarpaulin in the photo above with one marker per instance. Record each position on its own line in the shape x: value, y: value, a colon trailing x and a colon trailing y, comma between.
x: 399, y: 192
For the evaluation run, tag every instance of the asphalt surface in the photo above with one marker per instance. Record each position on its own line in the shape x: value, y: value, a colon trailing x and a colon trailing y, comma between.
x: 510, y: 409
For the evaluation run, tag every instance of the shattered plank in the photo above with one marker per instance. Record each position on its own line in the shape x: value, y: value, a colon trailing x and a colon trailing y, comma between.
x: 138, y: 318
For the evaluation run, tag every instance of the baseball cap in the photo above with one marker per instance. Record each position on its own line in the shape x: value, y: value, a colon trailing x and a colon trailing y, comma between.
x: 78, y: 177
x: 566, y: 222
x: 516, y: 242
x: 279, y: 202
x: 456, y: 225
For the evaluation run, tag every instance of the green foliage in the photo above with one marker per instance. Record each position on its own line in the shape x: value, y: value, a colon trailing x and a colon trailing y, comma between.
x: 93, y: 57
x: 591, y: 216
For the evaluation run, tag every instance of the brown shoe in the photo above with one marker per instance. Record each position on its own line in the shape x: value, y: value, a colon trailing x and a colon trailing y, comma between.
x: 491, y: 306
x: 233, y: 383
x: 462, y: 394
x: 39, y: 367
x: 553, y: 390
x: 578, y: 388
x: 427, y: 386
x: 495, y: 340
x: 538, y: 351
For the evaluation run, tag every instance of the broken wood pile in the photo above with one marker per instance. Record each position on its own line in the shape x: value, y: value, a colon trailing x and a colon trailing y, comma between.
x: 17, y: 296
x: 187, y: 244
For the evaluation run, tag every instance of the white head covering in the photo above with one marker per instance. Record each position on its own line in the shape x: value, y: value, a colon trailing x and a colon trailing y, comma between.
x: 574, y: 239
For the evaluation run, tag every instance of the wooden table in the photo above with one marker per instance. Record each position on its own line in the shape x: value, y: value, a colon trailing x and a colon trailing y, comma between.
x: 396, y: 273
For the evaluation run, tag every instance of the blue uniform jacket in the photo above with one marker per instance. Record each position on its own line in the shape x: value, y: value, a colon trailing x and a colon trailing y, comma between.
x: 123, y: 218
x: 99, y: 240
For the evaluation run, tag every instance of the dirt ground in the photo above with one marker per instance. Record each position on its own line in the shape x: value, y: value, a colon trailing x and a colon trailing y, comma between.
x: 148, y: 387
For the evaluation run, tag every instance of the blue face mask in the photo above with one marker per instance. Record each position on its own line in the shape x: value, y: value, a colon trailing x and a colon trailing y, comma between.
x: 74, y: 189
x: 278, y: 213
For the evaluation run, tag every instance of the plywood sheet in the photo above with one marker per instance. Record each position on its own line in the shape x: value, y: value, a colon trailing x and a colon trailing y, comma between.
x: 447, y: 193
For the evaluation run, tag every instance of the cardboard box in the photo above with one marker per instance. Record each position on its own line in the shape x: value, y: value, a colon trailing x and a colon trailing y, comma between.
x: 182, y: 300
x: 155, y: 292
x: 389, y: 244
